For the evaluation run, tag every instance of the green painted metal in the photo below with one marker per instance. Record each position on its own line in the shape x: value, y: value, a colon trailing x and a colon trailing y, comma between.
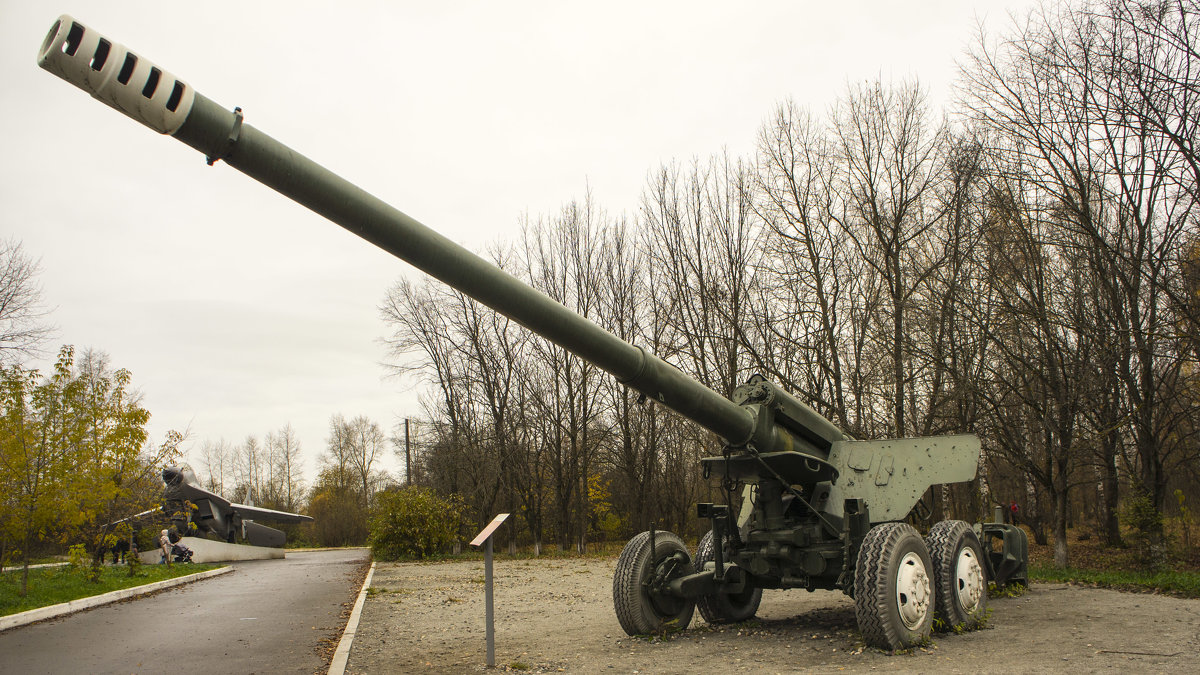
x: 1007, y: 562
x: 811, y: 492
x: 892, y: 475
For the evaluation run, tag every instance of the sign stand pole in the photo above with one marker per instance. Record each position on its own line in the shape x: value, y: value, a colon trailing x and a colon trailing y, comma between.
x: 488, y: 615
x: 485, y: 538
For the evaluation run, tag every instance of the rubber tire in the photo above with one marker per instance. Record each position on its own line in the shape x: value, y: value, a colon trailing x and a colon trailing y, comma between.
x: 723, y: 607
x: 638, y: 612
x: 875, y: 577
x: 946, y: 540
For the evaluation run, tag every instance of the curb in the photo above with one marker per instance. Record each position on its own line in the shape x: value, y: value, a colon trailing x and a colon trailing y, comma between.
x: 340, y: 657
x: 54, y: 611
x: 327, y: 548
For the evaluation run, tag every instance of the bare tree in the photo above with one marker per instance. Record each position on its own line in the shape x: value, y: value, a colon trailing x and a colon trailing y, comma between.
x: 287, y: 465
x: 358, y: 444
x: 1082, y: 103
x: 629, y: 310
x: 1038, y: 377
x: 1150, y: 51
x: 248, y: 465
x: 463, y: 348
x: 217, y: 457
x: 701, y: 240
x: 701, y: 236
x: 892, y: 152
x: 558, y: 254
x: 422, y: 341
x: 810, y: 281
x: 22, y: 318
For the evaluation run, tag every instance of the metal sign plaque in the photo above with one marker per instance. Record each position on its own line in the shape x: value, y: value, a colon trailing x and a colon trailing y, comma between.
x: 487, y: 531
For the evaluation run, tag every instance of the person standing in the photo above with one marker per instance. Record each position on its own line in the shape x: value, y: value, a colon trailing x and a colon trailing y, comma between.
x: 164, y: 544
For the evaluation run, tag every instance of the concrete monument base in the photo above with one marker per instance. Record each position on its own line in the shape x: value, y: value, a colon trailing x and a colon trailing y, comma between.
x: 207, y: 550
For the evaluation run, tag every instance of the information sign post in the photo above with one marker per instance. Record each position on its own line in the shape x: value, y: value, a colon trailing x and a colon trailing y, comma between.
x: 484, y: 538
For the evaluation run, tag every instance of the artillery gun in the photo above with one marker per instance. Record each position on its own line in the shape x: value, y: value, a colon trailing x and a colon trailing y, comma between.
x: 818, y: 509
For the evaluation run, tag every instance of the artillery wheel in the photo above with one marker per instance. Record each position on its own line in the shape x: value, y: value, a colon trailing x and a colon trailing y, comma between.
x: 640, y: 610
x: 893, y: 593
x: 959, y: 574
x: 723, y: 607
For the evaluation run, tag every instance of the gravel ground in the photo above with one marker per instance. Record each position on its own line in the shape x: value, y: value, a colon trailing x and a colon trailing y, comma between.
x: 557, y: 616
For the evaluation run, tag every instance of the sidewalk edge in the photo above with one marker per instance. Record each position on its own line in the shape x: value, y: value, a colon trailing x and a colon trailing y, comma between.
x: 342, y: 656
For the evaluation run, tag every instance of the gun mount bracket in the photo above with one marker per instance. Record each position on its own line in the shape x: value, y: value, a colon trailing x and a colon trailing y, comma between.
x: 788, y: 486
x: 235, y: 133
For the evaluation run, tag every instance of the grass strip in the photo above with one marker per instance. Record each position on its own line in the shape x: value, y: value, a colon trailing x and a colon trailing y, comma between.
x: 1184, y: 584
x: 50, y: 586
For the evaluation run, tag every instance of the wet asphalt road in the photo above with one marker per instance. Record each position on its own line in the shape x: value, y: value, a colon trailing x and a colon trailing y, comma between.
x: 268, y: 616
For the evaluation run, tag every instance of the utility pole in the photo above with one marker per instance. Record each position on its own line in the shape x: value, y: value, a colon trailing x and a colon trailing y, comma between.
x: 407, y: 456
x: 249, y: 474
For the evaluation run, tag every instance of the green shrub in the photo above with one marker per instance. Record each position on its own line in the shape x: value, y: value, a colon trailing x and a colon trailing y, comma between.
x: 1185, y: 522
x: 1141, y: 514
x: 78, y: 557
x: 146, y: 538
x: 414, y: 522
x: 81, y: 563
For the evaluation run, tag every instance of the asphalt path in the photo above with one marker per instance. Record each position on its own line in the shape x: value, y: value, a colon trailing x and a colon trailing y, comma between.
x: 268, y: 616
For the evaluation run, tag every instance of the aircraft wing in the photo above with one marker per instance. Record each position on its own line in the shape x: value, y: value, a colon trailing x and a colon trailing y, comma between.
x: 136, y: 516
x: 256, y: 513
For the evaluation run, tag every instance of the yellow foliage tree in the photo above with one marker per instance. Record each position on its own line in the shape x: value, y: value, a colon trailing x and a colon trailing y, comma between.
x: 71, y: 454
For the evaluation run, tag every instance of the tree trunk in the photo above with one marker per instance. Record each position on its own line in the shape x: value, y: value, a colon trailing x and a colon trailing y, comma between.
x: 1061, y: 557
x: 1111, y: 485
x: 25, y: 567
x: 898, y: 357
x: 1037, y: 524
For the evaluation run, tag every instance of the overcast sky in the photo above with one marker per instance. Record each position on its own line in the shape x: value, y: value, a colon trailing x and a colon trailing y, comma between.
x: 238, y: 311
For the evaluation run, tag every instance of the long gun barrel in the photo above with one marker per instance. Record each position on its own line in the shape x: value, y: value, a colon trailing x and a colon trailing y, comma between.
x: 153, y: 96
x: 819, y: 509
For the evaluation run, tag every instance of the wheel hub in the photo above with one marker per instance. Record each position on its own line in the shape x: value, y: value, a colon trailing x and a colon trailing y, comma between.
x: 969, y: 577
x: 912, y: 591
x: 655, y: 588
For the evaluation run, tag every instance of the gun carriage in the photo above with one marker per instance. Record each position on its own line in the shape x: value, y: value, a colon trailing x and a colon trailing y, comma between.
x: 807, y: 506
